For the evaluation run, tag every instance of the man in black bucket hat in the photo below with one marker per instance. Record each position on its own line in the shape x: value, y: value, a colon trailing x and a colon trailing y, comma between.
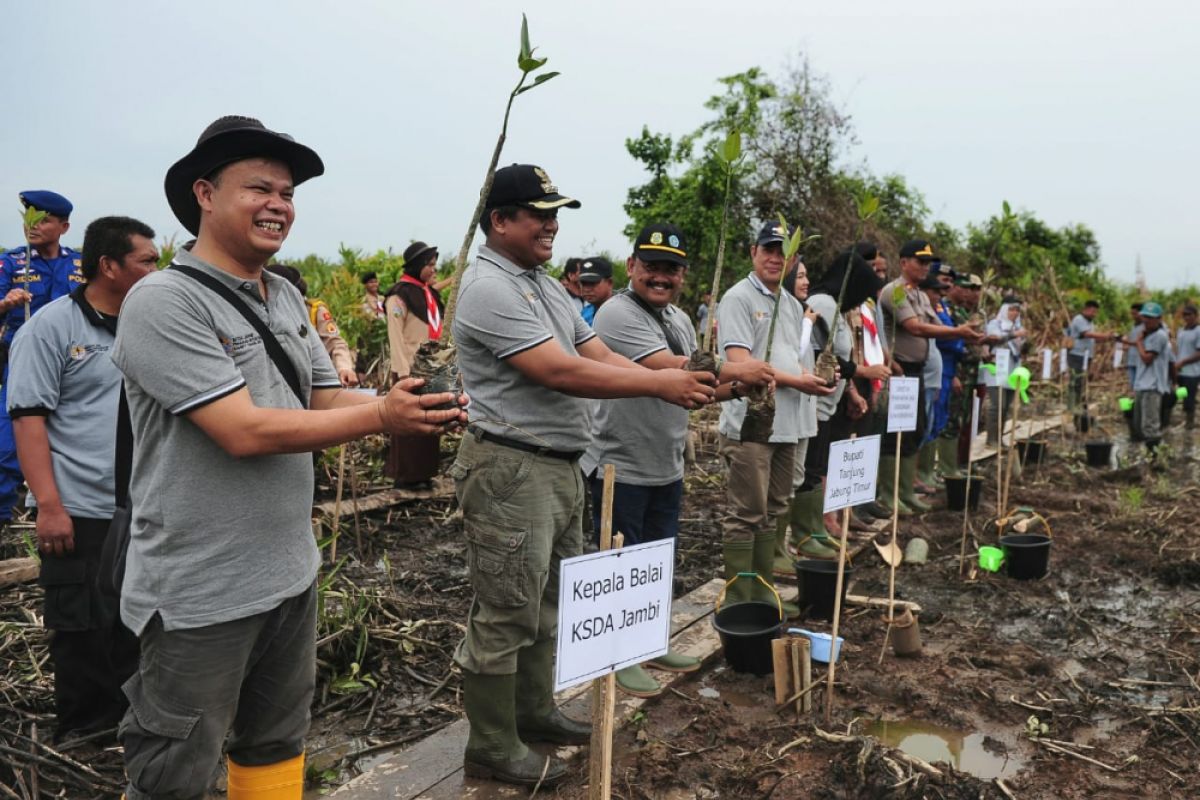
x: 229, y: 389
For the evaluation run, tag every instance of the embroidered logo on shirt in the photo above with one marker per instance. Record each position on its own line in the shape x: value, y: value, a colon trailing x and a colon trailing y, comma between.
x: 78, y: 352
x: 239, y: 344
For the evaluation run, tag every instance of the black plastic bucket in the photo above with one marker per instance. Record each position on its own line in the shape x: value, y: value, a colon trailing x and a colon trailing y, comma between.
x: 746, y: 631
x: 1032, y: 451
x: 1026, y: 555
x: 818, y: 585
x: 1099, y: 454
x: 956, y: 493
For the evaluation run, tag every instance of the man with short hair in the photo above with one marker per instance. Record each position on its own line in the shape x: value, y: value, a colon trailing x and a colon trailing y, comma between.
x: 961, y: 301
x: 63, y: 401
x: 644, y: 437
x: 570, y: 281
x: 915, y: 323
x: 29, y: 279
x: 1153, y: 378
x: 596, y: 283
x: 1083, y: 336
x: 1131, y: 357
x: 529, y: 360
x: 230, y: 390
x: 1188, y: 366
x: 760, y: 480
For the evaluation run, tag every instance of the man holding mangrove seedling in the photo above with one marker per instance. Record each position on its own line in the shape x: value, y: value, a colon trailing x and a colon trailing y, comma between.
x: 961, y: 300
x: 644, y: 437
x: 229, y: 391
x: 761, y: 474
x: 907, y: 310
x: 1083, y: 336
x: 1153, y: 378
x: 31, y: 277
x: 529, y: 360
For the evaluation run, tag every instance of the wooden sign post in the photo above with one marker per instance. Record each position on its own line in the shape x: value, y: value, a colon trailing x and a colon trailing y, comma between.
x: 604, y: 690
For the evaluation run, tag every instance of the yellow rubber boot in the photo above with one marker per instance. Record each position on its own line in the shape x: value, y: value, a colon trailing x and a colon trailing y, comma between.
x: 283, y: 780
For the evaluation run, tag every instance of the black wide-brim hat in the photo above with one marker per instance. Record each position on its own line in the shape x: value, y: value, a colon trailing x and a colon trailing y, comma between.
x: 229, y: 139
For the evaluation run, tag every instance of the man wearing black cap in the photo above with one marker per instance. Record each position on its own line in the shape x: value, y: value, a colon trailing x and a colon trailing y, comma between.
x: 528, y: 359
x: 596, y: 284
x: 908, y: 312
x: 644, y: 437
x: 31, y: 277
x: 229, y: 391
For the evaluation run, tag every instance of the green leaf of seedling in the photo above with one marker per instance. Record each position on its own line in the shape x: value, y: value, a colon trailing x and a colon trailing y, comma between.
x: 731, y: 150
x: 31, y: 216
x: 538, y: 81
x: 899, y: 296
x: 1007, y: 208
x: 529, y: 64
x: 867, y: 206
x: 526, y: 50
x: 792, y: 245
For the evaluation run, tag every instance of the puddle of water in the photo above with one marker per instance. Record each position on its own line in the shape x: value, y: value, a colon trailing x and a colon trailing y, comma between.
x: 964, y: 751
x: 329, y: 757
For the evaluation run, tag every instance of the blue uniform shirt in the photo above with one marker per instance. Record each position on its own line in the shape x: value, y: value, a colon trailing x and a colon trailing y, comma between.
x: 45, y: 279
x: 952, y: 349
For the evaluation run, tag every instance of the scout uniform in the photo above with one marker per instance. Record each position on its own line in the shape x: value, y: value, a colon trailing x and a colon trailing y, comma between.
x: 322, y: 320
x: 46, y: 279
x: 65, y: 374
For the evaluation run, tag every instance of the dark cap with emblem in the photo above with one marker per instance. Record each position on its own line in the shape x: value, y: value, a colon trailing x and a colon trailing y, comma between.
x: 969, y: 280
x: 931, y: 282
x: 772, y: 233
x: 595, y: 269
x: 661, y: 242
x: 527, y: 186
x: 917, y: 248
x: 229, y: 139
x: 942, y: 268
x: 50, y: 202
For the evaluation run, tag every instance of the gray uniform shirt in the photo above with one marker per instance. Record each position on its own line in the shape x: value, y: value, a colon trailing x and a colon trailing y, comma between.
x: 743, y: 319
x: 503, y: 310
x: 1083, y: 346
x: 843, y: 343
x: 1155, y: 376
x: 63, y: 371
x: 1132, y: 359
x: 214, y: 538
x: 643, y: 437
x: 1188, y: 340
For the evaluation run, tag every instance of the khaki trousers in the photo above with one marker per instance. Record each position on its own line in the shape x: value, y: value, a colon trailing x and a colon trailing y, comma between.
x: 759, y: 485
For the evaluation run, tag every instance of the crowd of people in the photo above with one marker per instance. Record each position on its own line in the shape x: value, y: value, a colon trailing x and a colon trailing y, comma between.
x: 224, y: 377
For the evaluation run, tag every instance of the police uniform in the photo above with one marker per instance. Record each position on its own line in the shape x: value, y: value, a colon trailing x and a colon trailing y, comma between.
x: 967, y: 370
x: 46, y: 279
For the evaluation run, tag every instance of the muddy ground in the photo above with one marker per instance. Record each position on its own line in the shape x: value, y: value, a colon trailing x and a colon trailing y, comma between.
x: 1105, y: 652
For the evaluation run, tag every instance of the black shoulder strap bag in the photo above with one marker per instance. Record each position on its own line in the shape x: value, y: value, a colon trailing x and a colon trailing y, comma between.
x: 116, y: 544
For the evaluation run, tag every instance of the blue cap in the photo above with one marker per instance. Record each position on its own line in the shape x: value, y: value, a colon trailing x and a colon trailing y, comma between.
x: 1151, y: 309
x: 50, y: 202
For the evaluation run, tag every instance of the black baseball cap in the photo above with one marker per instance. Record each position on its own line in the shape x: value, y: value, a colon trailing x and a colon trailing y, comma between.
x: 661, y: 242
x: 527, y: 186
x: 942, y: 268
x: 596, y: 268
x: 931, y: 282
x: 771, y: 233
x: 917, y: 248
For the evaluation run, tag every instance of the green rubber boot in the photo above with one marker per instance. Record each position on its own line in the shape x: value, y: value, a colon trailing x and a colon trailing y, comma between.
x: 782, y: 565
x: 538, y: 717
x: 738, y: 557
x: 494, y: 749
x: 764, y: 558
x: 808, y: 529
x: 887, y: 485
x: 927, y: 465
x: 908, y: 473
x: 947, y: 451
x: 639, y: 683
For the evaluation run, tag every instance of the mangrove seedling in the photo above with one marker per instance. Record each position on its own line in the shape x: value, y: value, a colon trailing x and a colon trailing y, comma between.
x: 730, y: 152
x: 826, y: 367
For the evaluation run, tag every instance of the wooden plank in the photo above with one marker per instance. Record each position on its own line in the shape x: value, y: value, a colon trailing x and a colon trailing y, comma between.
x: 879, y: 602
x: 443, y: 488
x: 19, y: 570
x: 432, y: 768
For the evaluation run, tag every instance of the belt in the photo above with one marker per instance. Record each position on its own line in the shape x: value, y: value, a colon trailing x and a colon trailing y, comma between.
x: 503, y: 441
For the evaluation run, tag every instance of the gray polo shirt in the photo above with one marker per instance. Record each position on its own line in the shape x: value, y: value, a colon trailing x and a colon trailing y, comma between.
x: 1188, y: 340
x: 1083, y: 346
x: 643, y: 437
x: 1132, y: 359
x: 503, y: 310
x: 214, y: 538
x: 63, y: 372
x: 1155, y: 376
x: 743, y: 319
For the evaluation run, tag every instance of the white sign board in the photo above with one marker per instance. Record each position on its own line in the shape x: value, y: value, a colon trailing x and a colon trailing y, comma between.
x: 853, y: 472
x: 1062, y: 361
x: 614, y: 610
x: 974, y: 418
x: 904, y: 398
x: 1003, y: 365
x: 1047, y: 363
x: 1118, y: 355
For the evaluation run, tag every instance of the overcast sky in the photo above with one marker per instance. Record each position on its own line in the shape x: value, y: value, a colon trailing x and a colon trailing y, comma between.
x: 1078, y: 110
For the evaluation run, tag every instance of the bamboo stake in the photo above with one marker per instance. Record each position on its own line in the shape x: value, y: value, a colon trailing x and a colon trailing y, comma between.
x: 895, y: 529
x: 337, y: 503
x: 1012, y: 451
x: 962, y: 547
x: 999, y: 450
x: 604, y: 690
x: 837, y: 606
